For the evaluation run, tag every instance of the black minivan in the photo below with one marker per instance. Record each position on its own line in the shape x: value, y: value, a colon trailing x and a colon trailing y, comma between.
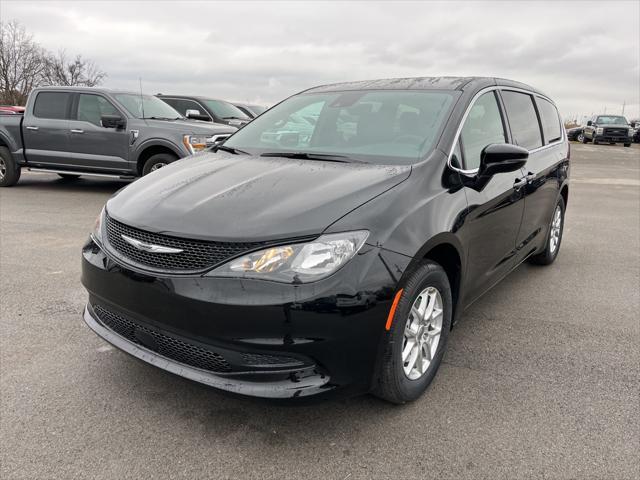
x: 329, y: 246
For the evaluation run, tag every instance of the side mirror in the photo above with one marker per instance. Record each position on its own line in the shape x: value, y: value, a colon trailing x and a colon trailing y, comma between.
x: 113, y: 121
x: 632, y: 124
x: 589, y: 123
x: 501, y: 158
x: 196, y: 115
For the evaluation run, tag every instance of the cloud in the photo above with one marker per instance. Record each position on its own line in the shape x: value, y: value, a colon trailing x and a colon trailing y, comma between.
x: 584, y: 58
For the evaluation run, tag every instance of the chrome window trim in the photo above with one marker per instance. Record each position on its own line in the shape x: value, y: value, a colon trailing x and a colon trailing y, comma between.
x: 492, y: 88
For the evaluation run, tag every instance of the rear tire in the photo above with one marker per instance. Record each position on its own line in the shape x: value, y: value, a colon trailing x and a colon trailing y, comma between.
x: 9, y: 170
x: 398, y: 380
x: 554, y: 237
x: 157, y: 161
x: 68, y: 176
x: 581, y: 138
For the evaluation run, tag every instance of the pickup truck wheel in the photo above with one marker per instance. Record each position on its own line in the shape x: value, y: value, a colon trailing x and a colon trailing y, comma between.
x: 584, y: 138
x: 157, y: 161
x: 68, y: 176
x: 594, y: 141
x: 581, y: 138
x: 9, y: 170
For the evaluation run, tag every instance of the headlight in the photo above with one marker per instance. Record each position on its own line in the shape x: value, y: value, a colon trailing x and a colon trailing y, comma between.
x: 297, y: 263
x: 96, y: 234
x: 599, y: 131
x: 195, y: 143
x: 630, y: 132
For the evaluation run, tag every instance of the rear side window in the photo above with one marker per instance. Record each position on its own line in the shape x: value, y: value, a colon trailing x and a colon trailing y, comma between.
x: 522, y: 119
x: 550, y: 121
x: 51, y: 105
x: 482, y: 127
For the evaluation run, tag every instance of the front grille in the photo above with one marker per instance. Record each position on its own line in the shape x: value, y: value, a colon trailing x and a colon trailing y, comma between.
x: 196, y: 255
x: 260, y: 359
x: 615, y: 132
x: 165, y: 345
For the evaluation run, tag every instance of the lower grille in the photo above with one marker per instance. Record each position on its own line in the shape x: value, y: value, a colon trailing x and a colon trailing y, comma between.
x: 162, y: 344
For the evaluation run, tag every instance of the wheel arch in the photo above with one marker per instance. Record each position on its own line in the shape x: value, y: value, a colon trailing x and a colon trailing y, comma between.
x: 147, y: 150
x: 446, y: 250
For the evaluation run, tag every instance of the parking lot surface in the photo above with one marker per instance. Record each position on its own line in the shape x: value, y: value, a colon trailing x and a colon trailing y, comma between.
x: 540, y: 378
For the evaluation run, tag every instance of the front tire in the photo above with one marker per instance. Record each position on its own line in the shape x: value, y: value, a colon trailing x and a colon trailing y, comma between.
x: 581, y: 138
x: 554, y: 237
x: 584, y: 138
x: 9, y: 170
x: 418, y: 336
x: 157, y: 161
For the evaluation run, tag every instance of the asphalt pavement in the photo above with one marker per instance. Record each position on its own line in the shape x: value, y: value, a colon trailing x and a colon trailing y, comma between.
x: 541, y: 378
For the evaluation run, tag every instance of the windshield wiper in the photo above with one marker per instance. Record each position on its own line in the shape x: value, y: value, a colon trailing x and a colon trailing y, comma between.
x: 235, y: 151
x: 327, y: 157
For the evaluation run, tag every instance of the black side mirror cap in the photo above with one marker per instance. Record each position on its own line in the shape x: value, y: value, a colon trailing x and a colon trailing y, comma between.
x: 502, y: 158
x: 112, y: 121
x: 589, y: 123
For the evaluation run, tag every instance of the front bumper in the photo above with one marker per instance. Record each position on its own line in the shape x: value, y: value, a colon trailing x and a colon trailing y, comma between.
x: 323, y: 344
x: 611, y: 139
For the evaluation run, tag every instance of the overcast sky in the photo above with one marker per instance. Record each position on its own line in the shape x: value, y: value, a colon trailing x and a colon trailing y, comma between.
x: 584, y: 55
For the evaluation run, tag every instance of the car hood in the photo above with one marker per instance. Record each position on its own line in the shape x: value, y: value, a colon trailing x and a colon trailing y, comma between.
x: 191, y: 127
x: 225, y: 197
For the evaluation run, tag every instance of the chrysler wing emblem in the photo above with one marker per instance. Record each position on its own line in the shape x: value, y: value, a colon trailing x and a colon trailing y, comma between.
x: 148, y: 247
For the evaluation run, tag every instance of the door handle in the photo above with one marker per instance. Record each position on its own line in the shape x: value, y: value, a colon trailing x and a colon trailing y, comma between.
x: 31, y: 127
x: 519, y: 183
x: 77, y: 130
x: 530, y: 177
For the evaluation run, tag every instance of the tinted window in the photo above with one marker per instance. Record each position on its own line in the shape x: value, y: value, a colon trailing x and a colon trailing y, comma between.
x: 522, y: 119
x: 182, y: 105
x: 91, y: 108
x: 550, y: 120
x: 51, y: 105
x: 482, y: 127
x: 225, y: 110
x: 384, y: 127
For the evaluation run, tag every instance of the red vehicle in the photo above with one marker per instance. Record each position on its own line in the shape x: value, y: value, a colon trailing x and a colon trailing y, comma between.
x: 9, y: 110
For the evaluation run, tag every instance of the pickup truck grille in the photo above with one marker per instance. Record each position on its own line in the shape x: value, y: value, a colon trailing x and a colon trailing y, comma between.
x: 615, y: 132
x: 195, y: 256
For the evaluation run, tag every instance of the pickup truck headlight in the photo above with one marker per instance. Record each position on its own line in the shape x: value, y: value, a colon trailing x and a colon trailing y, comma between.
x: 299, y: 262
x: 195, y: 143
x: 599, y: 131
x: 96, y: 234
x: 630, y: 132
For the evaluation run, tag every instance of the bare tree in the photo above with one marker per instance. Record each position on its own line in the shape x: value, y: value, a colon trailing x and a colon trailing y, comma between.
x: 21, y: 63
x: 61, y: 70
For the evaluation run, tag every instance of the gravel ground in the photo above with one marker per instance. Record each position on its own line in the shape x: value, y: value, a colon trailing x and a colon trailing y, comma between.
x: 540, y: 379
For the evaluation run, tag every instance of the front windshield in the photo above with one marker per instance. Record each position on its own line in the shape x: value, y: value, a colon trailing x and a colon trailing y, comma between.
x: 612, y: 120
x: 374, y: 126
x: 147, y: 106
x: 225, y: 109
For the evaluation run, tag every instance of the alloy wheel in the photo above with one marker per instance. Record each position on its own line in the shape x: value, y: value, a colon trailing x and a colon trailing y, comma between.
x: 581, y: 138
x: 422, y: 333
x: 3, y: 168
x: 556, y: 226
x: 157, y: 166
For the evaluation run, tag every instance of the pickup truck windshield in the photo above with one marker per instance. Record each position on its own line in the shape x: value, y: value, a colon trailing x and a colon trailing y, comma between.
x: 611, y: 120
x: 147, y: 106
x: 373, y: 126
x: 225, y: 110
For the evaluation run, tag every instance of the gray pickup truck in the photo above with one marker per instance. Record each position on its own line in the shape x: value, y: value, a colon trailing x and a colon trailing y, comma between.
x: 608, y: 129
x: 75, y: 131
